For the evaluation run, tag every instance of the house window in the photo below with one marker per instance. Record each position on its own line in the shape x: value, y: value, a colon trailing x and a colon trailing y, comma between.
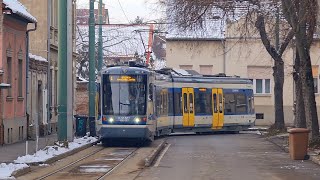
x: 9, y: 75
x: 186, y: 67
x: 262, y: 86
x: 20, y: 77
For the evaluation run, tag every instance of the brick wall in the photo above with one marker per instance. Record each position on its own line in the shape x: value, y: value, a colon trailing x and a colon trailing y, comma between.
x: 82, y: 99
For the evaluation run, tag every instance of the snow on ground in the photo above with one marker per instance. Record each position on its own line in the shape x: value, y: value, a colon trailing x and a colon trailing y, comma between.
x: 51, y: 151
x: 7, y: 169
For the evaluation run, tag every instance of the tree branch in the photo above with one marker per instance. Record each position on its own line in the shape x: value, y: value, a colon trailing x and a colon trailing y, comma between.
x: 286, y: 42
x: 260, y: 25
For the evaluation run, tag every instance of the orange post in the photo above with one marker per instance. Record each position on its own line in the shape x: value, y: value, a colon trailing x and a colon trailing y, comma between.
x: 150, y: 43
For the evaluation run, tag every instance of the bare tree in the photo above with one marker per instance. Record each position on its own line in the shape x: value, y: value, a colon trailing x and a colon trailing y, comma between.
x: 189, y: 14
x: 117, y: 41
x: 302, y: 16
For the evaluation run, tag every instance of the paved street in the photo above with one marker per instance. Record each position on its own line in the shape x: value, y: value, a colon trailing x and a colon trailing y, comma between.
x: 224, y: 156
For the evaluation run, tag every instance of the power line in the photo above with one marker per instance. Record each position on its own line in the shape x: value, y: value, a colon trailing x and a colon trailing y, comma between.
x: 123, y: 11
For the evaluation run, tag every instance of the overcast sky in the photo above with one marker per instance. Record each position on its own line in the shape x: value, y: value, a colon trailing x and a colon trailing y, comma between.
x: 147, y: 9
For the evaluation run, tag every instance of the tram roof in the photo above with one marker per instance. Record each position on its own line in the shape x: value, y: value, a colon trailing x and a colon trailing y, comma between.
x: 216, y: 80
x: 125, y: 70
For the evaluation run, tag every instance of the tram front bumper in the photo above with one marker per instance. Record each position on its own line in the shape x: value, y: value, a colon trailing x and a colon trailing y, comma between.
x: 125, y: 131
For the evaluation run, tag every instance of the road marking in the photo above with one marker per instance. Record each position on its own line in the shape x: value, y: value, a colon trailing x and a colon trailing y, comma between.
x: 161, y: 155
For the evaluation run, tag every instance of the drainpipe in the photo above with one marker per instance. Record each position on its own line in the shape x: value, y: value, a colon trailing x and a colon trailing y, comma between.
x: 49, y: 78
x: 224, y: 55
x: 27, y: 72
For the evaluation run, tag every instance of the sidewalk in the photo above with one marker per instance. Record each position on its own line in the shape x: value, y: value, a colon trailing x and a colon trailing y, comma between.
x: 10, y: 152
x: 282, y: 141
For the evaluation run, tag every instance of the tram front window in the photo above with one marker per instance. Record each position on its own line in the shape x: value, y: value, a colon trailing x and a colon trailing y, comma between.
x: 124, y: 95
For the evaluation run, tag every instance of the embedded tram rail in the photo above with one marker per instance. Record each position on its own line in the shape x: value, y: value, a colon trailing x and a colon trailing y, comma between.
x: 96, y: 165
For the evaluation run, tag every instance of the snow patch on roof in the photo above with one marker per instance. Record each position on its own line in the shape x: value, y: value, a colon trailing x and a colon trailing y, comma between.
x: 38, y: 58
x: 19, y: 9
x: 80, y: 79
x: 181, y: 72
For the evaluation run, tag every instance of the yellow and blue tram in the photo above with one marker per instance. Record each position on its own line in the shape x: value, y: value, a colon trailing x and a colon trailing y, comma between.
x: 138, y: 103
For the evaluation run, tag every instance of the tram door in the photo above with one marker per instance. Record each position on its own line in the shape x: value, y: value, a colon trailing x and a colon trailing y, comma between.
x: 188, y: 107
x: 218, y: 109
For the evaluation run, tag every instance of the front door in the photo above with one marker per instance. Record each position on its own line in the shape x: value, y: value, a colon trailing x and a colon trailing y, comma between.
x: 217, y: 108
x: 188, y: 107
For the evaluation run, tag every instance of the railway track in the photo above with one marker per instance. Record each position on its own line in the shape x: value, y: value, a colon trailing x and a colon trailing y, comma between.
x: 96, y: 165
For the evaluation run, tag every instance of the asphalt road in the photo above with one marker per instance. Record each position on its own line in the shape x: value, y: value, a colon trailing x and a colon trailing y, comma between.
x: 228, y: 157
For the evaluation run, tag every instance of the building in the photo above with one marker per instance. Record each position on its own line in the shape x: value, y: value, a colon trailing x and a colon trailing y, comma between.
x: 44, y: 43
x: 37, y: 101
x: 13, y: 52
x: 83, y: 16
x: 220, y: 48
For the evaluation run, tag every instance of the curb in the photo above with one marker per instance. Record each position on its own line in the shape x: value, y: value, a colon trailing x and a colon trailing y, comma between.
x: 285, y: 149
x: 21, y: 172
x: 314, y: 158
x: 26, y: 170
x: 149, y: 159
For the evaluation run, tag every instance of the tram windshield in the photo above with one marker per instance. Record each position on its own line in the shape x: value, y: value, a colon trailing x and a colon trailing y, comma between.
x: 124, y: 95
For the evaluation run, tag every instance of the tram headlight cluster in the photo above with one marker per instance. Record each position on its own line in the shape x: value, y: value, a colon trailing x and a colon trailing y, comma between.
x: 137, y: 120
x: 111, y: 120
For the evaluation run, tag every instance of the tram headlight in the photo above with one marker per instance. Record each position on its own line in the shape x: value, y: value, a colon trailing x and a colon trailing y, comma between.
x: 111, y: 120
x: 137, y: 120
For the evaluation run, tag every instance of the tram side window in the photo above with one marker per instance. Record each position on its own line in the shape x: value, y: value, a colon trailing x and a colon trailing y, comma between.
x: 209, y: 103
x: 177, y: 104
x: 170, y: 103
x: 230, y: 103
x: 250, y: 105
x: 165, y: 103
x: 185, y: 102
x: 201, y: 103
x: 191, y: 103
x: 241, y: 104
x: 158, y: 102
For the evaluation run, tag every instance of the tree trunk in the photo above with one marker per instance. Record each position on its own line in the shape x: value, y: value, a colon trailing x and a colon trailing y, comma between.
x: 308, y: 88
x: 278, y: 76
x: 300, y: 118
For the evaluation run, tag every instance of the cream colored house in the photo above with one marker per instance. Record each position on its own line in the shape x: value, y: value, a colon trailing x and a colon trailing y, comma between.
x: 228, y: 53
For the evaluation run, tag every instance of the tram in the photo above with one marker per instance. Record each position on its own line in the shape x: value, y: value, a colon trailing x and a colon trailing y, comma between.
x: 135, y: 102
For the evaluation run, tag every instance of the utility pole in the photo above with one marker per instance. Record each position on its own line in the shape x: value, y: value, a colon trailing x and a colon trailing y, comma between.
x: 92, y: 68
x: 62, y: 73
x: 100, y: 57
x: 69, y: 72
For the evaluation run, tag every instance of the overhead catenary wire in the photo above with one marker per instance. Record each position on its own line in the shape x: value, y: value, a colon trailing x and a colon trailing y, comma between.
x: 123, y: 11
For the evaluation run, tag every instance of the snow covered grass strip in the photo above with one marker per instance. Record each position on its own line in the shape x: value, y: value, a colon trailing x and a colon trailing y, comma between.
x: 6, y: 170
x: 52, y: 151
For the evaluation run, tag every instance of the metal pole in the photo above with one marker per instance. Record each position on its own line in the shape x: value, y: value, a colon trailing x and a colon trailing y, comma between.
x: 91, y: 64
x: 62, y: 73
x: 100, y: 57
x: 49, y: 78
x: 69, y: 73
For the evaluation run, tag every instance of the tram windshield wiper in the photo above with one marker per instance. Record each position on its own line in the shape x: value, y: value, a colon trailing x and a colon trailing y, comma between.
x: 124, y: 103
